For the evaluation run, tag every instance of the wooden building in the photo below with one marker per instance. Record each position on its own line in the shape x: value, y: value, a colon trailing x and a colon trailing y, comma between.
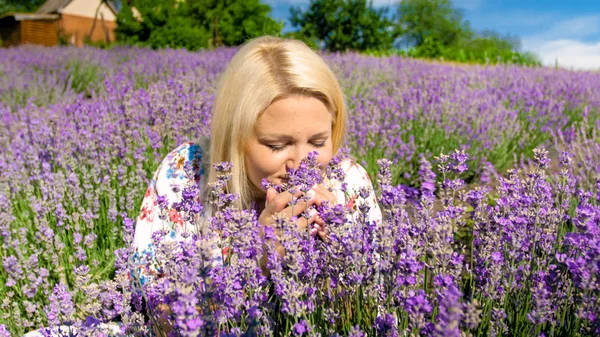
x: 23, y: 28
x: 74, y: 21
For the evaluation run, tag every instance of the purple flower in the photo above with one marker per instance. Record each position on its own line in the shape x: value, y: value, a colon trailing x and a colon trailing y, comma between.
x: 355, y: 331
x: 387, y: 325
x: 61, y: 308
x: 459, y: 159
x: 450, y: 312
x: 301, y: 328
x: 222, y: 166
x: 3, y: 331
x: 427, y: 179
x: 497, y: 257
x: 540, y: 157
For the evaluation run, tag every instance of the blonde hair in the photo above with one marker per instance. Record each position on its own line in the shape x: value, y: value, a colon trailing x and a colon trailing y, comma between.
x: 263, y: 70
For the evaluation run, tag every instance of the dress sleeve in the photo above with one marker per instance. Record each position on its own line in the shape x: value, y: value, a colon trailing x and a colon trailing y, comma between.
x: 182, y: 168
x: 357, y: 179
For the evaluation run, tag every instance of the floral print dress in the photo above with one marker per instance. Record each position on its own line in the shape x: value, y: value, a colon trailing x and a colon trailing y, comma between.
x: 186, y: 165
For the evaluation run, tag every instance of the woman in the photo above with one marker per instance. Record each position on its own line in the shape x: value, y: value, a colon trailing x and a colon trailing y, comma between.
x: 276, y: 102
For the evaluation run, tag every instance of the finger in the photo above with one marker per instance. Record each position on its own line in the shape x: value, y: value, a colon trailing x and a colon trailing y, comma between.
x: 317, y: 230
x: 302, y: 223
x: 318, y: 226
x: 321, y: 231
x: 313, y: 215
x: 323, y: 235
x: 295, y: 210
x: 319, y: 221
x: 271, y: 193
x: 321, y: 194
x: 280, y: 201
x: 328, y: 194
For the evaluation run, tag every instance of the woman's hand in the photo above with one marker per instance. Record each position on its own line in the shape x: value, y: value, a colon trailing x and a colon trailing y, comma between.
x: 320, y: 194
x: 278, y: 204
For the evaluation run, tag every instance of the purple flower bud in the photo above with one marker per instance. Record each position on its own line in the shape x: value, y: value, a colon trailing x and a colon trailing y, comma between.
x: 4, y: 331
x: 540, y: 157
x: 301, y: 328
x: 222, y: 166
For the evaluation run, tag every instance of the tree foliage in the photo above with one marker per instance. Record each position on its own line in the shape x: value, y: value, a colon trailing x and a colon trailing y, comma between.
x: 341, y: 25
x: 433, y: 20
x: 436, y: 29
x: 20, y: 5
x: 194, y: 24
x: 233, y: 22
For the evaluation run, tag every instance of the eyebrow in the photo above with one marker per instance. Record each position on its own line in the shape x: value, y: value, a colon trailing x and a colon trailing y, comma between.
x: 280, y: 136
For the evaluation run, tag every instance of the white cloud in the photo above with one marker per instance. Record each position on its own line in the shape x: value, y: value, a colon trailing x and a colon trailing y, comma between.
x: 571, y: 54
x: 570, y: 42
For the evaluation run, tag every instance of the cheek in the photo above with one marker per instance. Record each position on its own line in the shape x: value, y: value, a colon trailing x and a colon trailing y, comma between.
x: 325, y: 156
x: 264, y: 163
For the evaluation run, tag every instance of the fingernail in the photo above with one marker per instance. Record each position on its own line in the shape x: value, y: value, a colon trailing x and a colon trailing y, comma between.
x: 318, y: 227
x: 312, y: 212
x: 311, y: 194
x: 313, y: 232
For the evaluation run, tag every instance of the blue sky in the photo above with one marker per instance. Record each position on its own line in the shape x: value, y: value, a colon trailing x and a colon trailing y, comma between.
x: 567, y: 31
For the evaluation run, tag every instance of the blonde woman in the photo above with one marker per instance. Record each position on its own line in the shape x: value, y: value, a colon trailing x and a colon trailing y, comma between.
x: 276, y: 102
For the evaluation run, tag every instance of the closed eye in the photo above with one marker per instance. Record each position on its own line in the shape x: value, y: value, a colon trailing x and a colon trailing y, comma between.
x: 275, y: 148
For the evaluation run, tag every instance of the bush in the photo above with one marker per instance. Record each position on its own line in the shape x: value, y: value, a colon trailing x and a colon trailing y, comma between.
x: 179, y: 33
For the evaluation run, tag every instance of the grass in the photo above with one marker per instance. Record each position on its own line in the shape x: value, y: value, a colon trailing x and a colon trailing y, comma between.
x: 84, y: 78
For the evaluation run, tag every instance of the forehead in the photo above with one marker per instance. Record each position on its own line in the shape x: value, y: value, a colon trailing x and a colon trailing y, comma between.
x: 293, y: 114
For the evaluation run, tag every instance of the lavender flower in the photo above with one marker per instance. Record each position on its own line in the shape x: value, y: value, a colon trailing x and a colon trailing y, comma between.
x: 61, y: 308
x: 3, y: 331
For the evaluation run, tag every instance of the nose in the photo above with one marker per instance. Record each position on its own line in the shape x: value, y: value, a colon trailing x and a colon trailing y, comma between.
x: 296, y: 155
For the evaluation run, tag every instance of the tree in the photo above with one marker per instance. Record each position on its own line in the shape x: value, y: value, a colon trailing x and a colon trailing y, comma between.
x: 20, y: 5
x: 160, y: 24
x: 435, y: 29
x: 232, y: 22
x: 431, y: 21
x: 342, y: 25
x: 194, y: 24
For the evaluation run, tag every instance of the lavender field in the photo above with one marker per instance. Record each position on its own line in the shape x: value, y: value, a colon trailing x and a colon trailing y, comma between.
x: 508, y: 244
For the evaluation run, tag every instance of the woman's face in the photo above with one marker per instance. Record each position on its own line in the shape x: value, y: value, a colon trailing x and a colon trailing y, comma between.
x: 285, y: 133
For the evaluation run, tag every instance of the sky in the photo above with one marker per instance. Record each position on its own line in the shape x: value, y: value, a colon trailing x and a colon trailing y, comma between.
x: 567, y: 32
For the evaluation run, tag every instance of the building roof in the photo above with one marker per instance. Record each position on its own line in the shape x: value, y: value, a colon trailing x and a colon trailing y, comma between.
x: 30, y: 16
x: 54, y: 6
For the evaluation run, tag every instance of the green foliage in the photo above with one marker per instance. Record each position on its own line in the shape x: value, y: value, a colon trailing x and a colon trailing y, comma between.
x: 435, y: 29
x: 194, y: 24
x: 489, y: 48
x: 19, y: 5
x: 231, y: 23
x: 431, y: 22
x: 179, y: 32
x: 84, y: 77
x: 341, y: 25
